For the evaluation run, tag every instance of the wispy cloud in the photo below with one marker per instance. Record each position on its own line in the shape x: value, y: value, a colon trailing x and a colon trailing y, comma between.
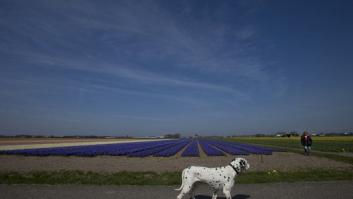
x: 142, y: 76
x: 179, y: 57
x: 183, y: 61
x: 165, y: 40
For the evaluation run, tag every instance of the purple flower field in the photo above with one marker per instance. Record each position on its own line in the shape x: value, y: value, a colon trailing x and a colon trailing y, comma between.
x: 163, y: 148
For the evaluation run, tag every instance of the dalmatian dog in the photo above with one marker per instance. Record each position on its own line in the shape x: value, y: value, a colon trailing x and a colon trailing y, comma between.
x: 218, y: 178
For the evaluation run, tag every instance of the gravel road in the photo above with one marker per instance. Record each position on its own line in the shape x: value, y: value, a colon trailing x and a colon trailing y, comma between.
x: 307, y: 190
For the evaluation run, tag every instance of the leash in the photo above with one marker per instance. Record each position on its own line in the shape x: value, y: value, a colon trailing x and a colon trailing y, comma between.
x: 235, y: 169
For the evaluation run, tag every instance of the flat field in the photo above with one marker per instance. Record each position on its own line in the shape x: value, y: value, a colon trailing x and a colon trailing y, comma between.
x: 29, y: 143
x: 20, y: 141
x: 280, y: 161
x: 17, y: 169
x: 325, y: 144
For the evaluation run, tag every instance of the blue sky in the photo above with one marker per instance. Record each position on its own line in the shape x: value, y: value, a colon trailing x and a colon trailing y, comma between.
x: 156, y: 67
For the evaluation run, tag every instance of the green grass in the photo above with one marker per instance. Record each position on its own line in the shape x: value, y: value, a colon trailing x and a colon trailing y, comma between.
x: 81, y: 177
x: 324, y: 144
x: 295, y: 176
x: 167, y: 178
x: 293, y: 145
x: 338, y: 158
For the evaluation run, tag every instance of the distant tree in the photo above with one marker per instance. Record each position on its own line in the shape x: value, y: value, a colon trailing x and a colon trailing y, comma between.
x: 294, y: 133
x: 260, y: 135
x: 172, y: 136
x: 23, y: 136
x: 38, y: 136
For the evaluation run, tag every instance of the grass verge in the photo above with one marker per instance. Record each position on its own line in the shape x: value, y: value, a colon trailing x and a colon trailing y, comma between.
x: 322, y: 154
x: 331, y: 156
x: 324, y: 144
x: 167, y: 178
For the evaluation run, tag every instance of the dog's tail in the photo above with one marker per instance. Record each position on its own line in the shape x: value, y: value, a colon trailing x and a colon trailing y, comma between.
x: 182, y: 181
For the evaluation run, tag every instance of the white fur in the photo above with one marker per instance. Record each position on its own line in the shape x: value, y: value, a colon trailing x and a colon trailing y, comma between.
x: 218, y: 178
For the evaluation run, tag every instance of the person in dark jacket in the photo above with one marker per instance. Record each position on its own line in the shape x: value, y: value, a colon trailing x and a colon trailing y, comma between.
x: 306, y: 141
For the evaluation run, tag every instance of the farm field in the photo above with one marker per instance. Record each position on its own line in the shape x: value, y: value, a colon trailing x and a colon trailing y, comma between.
x: 31, y: 143
x: 324, y: 144
x: 22, y: 141
x: 280, y: 161
x: 157, y: 148
x: 159, y: 158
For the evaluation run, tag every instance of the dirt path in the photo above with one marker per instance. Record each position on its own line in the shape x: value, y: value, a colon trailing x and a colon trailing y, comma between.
x: 308, y: 190
x: 281, y: 161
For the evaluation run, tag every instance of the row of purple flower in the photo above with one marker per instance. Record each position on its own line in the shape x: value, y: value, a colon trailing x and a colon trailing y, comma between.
x: 164, y: 148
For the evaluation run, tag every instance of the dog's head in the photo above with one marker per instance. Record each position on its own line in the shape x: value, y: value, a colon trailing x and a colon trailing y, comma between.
x: 240, y: 164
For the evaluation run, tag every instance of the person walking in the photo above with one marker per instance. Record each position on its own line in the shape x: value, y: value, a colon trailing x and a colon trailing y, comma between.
x: 306, y: 142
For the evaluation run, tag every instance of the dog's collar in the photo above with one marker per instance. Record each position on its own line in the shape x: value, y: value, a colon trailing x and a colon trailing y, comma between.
x: 235, y: 169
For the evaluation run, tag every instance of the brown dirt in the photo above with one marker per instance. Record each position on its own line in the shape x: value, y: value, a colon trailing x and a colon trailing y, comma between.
x: 281, y: 161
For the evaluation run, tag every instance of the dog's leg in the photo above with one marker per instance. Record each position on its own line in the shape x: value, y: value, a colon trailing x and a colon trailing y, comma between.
x: 226, y: 192
x: 192, y: 190
x: 214, y: 196
x: 192, y: 194
x: 187, y: 187
x: 181, y: 194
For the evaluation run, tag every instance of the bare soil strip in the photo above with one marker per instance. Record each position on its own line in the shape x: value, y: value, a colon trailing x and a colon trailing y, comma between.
x: 62, y: 143
x: 23, y: 141
x: 280, y: 161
